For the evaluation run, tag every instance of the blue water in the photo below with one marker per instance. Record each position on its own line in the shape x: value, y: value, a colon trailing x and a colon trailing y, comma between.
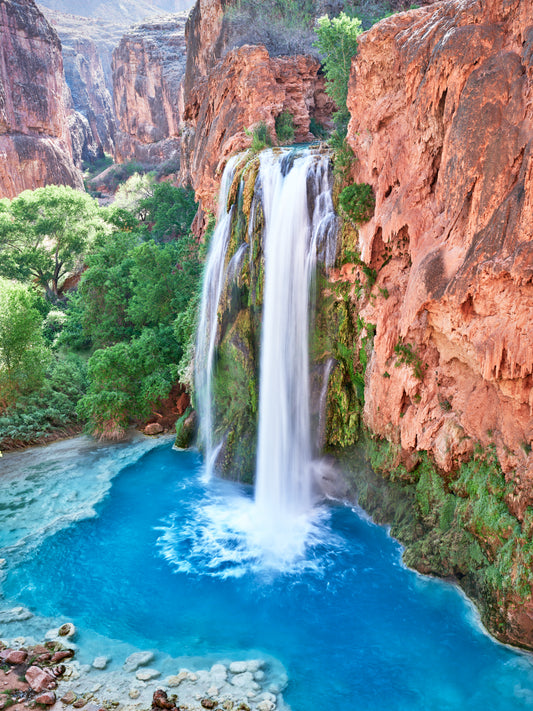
x: 169, y: 562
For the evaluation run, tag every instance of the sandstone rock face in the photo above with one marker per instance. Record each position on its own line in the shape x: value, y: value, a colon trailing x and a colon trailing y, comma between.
x: 35, y: 146
x: 442, y: 127
x: 148, y: 66
x: 93, y: 125
x: 226, y: 91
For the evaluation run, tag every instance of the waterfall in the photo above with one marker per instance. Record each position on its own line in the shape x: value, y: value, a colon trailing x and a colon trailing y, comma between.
x: 299, y: 231
x: 213, y: 283
x: 294, y: 237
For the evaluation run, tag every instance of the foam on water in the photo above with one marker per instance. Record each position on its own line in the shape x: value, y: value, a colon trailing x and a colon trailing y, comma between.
x: 221, y: 536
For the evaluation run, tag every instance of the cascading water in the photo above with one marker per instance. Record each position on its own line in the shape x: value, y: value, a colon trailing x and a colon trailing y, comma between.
x: 294, y: 236
x: 299, y: 230
x: 214, y: 279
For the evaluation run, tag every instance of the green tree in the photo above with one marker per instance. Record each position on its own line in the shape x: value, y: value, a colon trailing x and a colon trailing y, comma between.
x: 44, y: 234
x: 23, y: 355
x: 337, y: 43
x: 168, y: 212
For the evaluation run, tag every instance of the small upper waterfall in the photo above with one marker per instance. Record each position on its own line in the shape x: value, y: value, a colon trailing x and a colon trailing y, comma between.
x: 298, y: 226
x: 213, y: 283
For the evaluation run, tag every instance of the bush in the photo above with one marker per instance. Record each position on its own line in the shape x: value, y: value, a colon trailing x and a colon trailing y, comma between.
x: 261, y: 138
x: 357, y: 201
x: 285, y: 127
x: 51, y: 407
x: 317, y: 129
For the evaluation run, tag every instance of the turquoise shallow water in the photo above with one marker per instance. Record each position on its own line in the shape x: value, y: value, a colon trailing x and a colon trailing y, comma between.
x: 166, y: 561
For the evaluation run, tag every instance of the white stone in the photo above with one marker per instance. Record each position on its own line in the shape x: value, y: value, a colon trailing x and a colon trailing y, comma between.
x: 212, y: 691
x: 259, y: 675
x: 176, y: 679
x: 238, y: 667
x: 101, y: 662
x: 134, y: 693
x: 266, y: 706
x: 136, y: 660
x: 219, y: 670
x: 267, y: 696
x: 147, y: 674
x: 67, y: 630
x: 254, y: 665
x: 242, y: 680
x: 191, y: 676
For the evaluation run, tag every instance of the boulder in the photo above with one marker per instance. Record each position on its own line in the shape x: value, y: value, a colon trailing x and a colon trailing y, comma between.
x: 40, y: 679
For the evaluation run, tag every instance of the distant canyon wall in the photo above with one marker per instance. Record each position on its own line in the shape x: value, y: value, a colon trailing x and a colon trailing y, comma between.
x: 35, y: 143
x: 148, y: 67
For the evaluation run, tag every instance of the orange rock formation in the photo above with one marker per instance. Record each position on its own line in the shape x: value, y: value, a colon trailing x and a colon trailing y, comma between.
x: 35, y: 145
x: 442, y: 128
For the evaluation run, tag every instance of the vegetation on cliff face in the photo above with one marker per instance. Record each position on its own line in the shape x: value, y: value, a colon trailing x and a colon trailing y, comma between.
x: 99, y: 311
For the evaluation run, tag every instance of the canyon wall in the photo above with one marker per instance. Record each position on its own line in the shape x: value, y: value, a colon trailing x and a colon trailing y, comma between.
x: 148, y: 66
x: 442, y: 129
x: 230, y: 87
x: 124, y: 13
x: 35, y: 145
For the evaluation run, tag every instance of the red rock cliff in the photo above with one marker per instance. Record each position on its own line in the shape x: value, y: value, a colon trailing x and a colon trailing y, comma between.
x: 148, y: 66
x: 229, y: 88
x: 35, y: 147
x: 442, y: 127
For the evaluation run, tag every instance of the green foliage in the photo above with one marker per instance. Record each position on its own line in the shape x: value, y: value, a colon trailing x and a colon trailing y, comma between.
x: 317, y: 129
x: 53, y: 325
x: 50, y: 408
x: 357, y: 202
x: 127, y: 379
x: 290, y: 13
x: 261, y: 138
x: 337, y: 44
x: 23, y: 355
x: 407, y: 356
x: 167, y: 212
x: 285, y: 127
x: 44, y: 234
x: 343, y: 156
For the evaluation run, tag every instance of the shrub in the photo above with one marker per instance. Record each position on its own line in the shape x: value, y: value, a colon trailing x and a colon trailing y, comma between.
x: 285, y: 127
x: 357, y: 201
x: 317, y: 129
x: 261, y: 138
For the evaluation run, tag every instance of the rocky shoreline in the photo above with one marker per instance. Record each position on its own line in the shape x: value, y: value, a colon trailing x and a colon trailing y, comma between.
x: 47, y: 675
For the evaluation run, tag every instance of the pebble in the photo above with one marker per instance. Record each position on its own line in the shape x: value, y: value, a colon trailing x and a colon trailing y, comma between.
x: 147, y: 674
x: 101, y: 662
x: 266, y: 706
x: 259, y: 675
x: 254, y: 665
x: 69, y: 697
x: 67, y: 630
x: 48, y: 698
x: 244, y: 679
x: 238, y: 667
x: 212, y: 691
x: 136, y: 660
x: 134, y: 693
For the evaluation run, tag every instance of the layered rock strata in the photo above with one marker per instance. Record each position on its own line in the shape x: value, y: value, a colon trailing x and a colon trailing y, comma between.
x: 442, y: 129
x: 35, y: 145
x: 148, y: 66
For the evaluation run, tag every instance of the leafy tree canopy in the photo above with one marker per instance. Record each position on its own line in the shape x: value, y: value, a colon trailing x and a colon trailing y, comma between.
x: 337, y: 43
x: 44, y: 233
x: 23, y: 355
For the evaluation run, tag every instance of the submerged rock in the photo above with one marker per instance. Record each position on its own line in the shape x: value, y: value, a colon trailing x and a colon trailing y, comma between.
x: 136, y: 660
